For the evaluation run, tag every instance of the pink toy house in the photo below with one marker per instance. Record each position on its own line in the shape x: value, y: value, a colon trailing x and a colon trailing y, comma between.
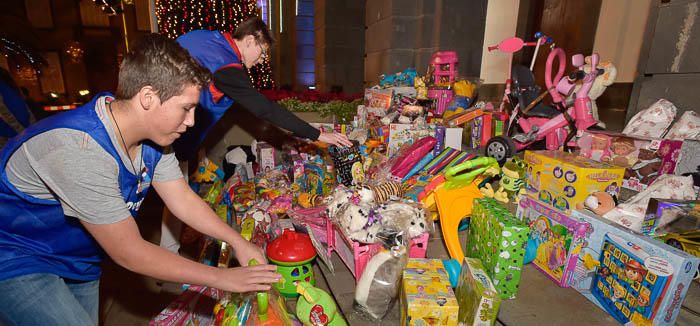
x: 444, y: 67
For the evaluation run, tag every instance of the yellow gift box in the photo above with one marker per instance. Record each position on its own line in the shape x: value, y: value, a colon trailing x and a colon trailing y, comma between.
x: 564, y: 180
x: 426, y: 295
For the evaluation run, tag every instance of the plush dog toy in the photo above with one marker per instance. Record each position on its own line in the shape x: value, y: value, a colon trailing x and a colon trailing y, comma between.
x: 599, y: 202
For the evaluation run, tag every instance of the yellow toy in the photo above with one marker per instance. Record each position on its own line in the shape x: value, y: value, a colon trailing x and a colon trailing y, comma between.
x: 455, y: 197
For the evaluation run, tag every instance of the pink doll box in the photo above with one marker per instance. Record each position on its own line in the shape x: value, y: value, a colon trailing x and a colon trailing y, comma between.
x: 557, y: 237
x: 634, y: 278
x: 644, y: 159
x: 356, y: 255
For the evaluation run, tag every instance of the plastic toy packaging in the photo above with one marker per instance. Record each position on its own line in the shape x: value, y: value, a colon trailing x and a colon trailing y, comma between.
x: 378, y: 287
x: 687, y: 127
x: 348, y: 164
x: 653, y: 121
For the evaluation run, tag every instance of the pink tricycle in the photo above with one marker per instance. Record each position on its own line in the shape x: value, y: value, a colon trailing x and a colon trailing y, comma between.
x: 532, y: 120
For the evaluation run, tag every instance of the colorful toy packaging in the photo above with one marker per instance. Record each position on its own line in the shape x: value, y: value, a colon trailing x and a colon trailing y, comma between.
x: 266, y: 156
x: 637, y: 280
x: 348, y: 165
x: 555, y: 239
x: 192, y: 307
x: 671, y: 216
x: 477, y: 297
x: 644, y: 159
x: 498, y: 239
x: 426, y: 295
x: 564, y: 180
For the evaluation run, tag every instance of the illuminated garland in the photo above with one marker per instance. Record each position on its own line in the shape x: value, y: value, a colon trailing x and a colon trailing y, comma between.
x: 21, y: 53
x: 177, y: 17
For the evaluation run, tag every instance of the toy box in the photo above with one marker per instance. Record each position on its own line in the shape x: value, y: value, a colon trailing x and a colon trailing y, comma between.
x: 477, y: 297
x: 498, y: 239
x: 266, y: 157
x: 636, y: 279
x: 378, y: 98
x: 426, y: 295
x: 554, y: 236
x: 671, y: 216
x: 564, y: 180
x: 644, y: 159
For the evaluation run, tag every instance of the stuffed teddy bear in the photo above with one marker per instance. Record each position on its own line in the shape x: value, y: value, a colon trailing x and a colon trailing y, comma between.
x: 599, y: 85
x: 599, y: 202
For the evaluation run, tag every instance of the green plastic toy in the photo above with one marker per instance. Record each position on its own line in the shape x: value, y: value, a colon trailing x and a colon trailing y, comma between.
x: 316, y: 307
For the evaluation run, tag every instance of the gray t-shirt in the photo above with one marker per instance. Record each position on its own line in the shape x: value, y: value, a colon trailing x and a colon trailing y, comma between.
x: 69, y: 166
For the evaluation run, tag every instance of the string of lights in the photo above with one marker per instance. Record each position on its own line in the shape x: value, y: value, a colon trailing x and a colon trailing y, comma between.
x: 177, y: 17
x: 21, y: 53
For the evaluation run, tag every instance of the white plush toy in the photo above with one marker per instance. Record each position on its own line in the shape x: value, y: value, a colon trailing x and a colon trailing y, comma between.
x: 340, y: 197
x: 404, y: 217
x: 599, y: 85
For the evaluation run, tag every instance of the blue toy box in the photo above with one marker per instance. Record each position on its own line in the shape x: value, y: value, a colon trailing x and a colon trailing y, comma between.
x: 637, y: 280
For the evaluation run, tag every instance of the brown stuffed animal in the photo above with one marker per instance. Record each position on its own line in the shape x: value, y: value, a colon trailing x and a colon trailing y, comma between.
x: 599, y: 202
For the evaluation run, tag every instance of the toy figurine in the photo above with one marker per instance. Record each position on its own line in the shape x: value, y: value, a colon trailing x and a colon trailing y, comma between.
x: 315, y: 307
x: 511, y: 185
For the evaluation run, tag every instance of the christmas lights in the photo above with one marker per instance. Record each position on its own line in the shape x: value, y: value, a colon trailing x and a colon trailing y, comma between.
x: 177, y: 17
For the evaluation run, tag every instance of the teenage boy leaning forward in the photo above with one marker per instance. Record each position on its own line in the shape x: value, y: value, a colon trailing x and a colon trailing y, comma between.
x: 71, y: 186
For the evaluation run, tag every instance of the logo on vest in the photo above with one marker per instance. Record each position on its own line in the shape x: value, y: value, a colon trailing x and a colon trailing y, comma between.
x: 134, y: 206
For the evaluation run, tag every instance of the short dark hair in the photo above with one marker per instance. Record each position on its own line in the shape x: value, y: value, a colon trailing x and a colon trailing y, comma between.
x: 256, y: 27
x: 157, y: 61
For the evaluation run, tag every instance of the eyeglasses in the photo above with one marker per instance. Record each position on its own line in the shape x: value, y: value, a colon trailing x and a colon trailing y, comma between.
x: 263, y: 52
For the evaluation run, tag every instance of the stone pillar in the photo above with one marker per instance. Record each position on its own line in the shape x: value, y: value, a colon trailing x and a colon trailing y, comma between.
x: 404, y: 33
x: 340, y: 44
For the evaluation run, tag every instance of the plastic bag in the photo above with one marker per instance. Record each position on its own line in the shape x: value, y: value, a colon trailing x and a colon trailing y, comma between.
x: 378, y: 287
x: 409, y: 217
x: 653, y: 121
x: 687, y: 127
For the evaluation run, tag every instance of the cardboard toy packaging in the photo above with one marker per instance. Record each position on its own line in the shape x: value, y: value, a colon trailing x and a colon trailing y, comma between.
x: 644, y: 159
x: 664, y: 216
x: 634, y: 278
x: 477, y: 297
x: 266, y: 157
x: 555, y: 238
x: 426, y: 294
x: 498, y: 239
x: 564, y: 180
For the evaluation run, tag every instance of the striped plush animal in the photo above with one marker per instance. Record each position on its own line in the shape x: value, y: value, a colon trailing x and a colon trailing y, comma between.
x: 380, y: 193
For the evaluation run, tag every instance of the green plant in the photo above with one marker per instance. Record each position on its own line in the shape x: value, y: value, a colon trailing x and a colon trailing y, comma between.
x: 343, y: 111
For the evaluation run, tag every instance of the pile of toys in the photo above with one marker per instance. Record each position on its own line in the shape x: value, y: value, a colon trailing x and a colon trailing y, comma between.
x: 414, y: 163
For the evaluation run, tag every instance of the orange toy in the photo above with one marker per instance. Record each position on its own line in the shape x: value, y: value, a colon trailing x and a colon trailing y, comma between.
x: 455, y: 197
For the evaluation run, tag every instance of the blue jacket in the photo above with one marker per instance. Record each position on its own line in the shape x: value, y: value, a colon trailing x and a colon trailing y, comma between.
x: 35, y: 235
x: 213, y: 50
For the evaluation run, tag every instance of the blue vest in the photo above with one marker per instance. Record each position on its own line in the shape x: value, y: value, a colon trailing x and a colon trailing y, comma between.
x: 35, y: 235
x: 212, y: 50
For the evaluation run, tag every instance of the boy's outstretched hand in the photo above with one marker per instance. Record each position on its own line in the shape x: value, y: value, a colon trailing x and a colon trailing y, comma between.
x: 245, y: 251
x: 247, y: 279
x: 335, y: 138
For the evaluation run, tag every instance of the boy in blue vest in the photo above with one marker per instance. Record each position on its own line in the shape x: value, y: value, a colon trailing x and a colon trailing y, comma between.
x: 71, y: 185
x: 227, y: 56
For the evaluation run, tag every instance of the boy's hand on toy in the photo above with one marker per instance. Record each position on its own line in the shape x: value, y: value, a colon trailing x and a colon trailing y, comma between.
x: 245, y: 251
x: 248, y: 279
x: 335, y: 138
